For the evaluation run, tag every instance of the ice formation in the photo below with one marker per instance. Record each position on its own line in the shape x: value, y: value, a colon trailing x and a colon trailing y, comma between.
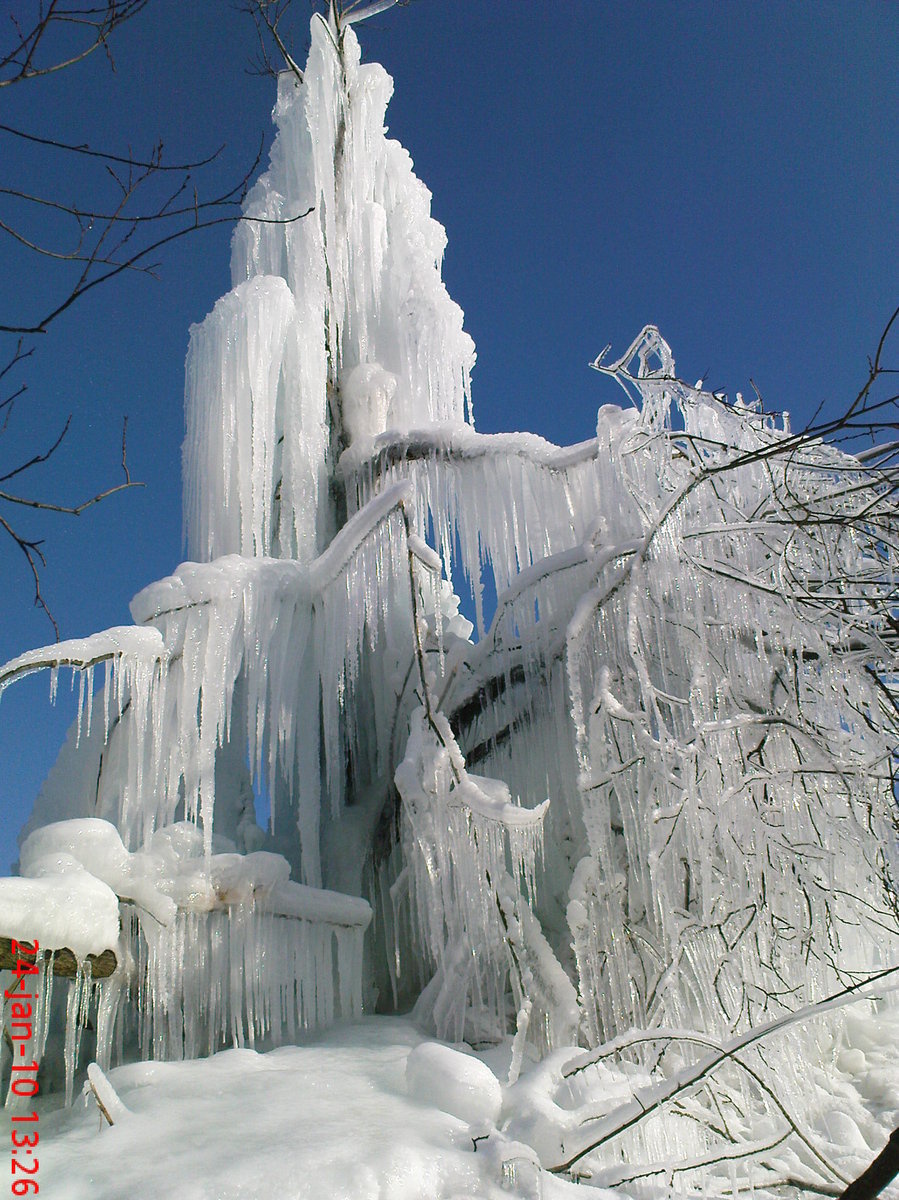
x: 654, y: 794
x: 220, y: 947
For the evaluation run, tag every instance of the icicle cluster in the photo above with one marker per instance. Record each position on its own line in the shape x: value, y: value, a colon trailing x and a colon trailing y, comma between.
x: 213, y: 949
x: 471, y: 855
x: 238, y: 976
x: 26, y: 1009
x: 244, y: 653
x: 284, y: 658
x: 501, y: 501
x: 355, y: 284
x: 705, y: 598
x: 735, y: 770
x: 233, y: 976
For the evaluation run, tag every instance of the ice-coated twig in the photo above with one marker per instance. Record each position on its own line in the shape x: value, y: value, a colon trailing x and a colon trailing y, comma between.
x: 83, y: 653
x: 352, y: 13
x: 105, y: 1095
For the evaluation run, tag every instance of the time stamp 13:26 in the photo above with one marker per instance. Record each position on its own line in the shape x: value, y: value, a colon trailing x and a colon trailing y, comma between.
x: 23, y: 1076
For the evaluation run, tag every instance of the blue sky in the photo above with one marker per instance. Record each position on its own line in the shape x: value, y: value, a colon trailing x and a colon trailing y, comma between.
x: 724, y: 170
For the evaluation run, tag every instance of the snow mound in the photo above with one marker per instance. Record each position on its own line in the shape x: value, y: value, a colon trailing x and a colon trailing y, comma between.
x: 69, y: 908
x: 454, y: 1082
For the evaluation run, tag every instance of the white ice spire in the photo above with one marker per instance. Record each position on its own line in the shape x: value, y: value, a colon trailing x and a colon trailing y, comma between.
x: 355, y: 283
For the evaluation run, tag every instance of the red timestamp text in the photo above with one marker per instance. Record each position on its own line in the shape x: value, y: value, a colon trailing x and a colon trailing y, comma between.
x: 24, y: 1135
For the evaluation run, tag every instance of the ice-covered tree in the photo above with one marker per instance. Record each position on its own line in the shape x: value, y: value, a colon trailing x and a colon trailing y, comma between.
x: 652, y: 793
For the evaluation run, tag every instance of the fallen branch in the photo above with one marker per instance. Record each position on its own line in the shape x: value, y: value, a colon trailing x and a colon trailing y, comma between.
x: 105, y: 1094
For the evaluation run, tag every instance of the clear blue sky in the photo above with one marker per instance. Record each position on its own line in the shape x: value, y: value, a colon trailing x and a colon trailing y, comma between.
x: 724, y: 170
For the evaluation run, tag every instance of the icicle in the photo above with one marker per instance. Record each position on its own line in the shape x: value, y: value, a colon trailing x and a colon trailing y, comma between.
x: 522, y: 1022
x: 110, y: 997
x: 77, y: 1009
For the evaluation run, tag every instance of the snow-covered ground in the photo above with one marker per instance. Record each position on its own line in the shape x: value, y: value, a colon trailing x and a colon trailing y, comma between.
x: 371, y: 1110
x: 328, y: 1120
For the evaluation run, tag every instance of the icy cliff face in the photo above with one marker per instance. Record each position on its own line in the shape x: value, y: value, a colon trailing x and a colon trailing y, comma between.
x: 350, y: 292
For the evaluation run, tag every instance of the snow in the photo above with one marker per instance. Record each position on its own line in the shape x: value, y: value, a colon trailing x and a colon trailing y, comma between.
x: 67, y: 907
x: 365, y: 397
x: 328, y: 1119
x: 454, y: 1082
x: 428, y: 558
x: 338, y: 1116
x: 85, y: 652
x: 96, y: 845
x: 105, y: 1094
x: 173, y: 874
x: 291, y: 899
x: 331, y: 1118
x: 491, y: 798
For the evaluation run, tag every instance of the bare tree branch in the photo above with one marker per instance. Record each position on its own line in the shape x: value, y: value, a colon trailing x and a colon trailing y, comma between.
x: 138, y: 205
x: 99, y: 265
x: 35, y: 51
x: 154, y: 161
x: 31, y: 548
